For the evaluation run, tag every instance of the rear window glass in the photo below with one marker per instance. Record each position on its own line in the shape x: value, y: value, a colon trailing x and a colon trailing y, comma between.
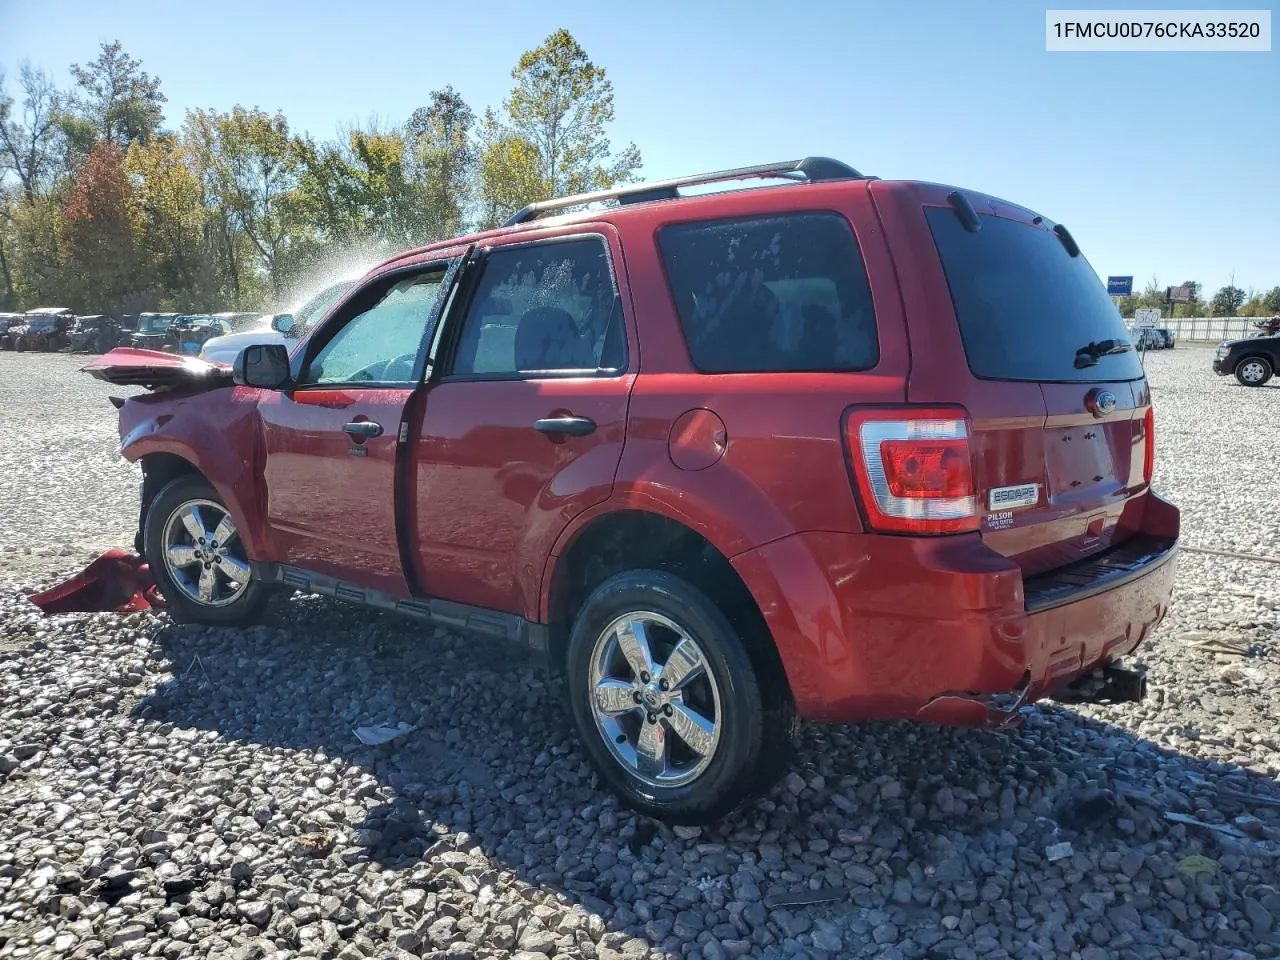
x: 1024, y: 305
x: 777, y: 293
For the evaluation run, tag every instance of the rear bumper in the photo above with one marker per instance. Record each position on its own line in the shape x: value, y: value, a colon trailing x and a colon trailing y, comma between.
x: 946, y: 630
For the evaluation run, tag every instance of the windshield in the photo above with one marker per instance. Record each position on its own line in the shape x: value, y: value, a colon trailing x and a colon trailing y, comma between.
x: 1026, y: 307
x: 315, y: 308
x: 154, y: 324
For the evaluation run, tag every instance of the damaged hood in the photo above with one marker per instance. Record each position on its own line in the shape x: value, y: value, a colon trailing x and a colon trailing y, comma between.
x: 130, y: 366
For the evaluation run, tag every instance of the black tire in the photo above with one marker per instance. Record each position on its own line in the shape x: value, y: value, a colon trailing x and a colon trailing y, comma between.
x: 1254, y: 371
x: 182, y: 607
x: 754, y: 741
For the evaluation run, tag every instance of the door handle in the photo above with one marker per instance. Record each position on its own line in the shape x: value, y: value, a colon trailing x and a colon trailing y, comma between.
x: 573, y: 426
x: 363, y: 429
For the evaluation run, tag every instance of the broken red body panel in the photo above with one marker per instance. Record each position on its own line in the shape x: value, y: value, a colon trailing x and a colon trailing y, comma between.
x: 118, y: 581
x: 128, y: 366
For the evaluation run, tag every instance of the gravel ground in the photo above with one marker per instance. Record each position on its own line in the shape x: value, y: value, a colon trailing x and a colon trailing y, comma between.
x: 173, y: 791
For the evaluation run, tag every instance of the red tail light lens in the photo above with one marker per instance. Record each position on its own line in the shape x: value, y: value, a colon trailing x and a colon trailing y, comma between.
x: 1149, y: 452
x: 927, y: 469
x: 913, y: 469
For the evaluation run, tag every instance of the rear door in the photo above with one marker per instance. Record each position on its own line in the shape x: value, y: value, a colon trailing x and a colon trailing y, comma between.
x: 523, y: 425
x: 1011, y: 321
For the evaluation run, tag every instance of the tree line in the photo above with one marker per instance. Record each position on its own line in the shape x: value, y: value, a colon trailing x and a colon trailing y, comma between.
x: 1229, y: 301
x: 104, y: 210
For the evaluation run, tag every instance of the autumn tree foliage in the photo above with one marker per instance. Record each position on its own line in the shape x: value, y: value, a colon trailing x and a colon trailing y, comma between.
x: 105, y: 208
x: 98, y: 233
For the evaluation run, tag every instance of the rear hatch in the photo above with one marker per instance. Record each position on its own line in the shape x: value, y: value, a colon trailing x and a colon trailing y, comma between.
x: 1010, y: 321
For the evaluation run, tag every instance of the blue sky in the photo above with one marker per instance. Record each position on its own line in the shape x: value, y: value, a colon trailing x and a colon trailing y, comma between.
x: 1164, y: 164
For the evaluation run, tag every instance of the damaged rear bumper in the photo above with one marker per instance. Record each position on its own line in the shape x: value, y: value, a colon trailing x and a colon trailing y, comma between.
x: 945, y: 630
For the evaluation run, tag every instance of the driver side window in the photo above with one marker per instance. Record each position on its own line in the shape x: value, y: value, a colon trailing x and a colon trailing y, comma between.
x: 381, y: 343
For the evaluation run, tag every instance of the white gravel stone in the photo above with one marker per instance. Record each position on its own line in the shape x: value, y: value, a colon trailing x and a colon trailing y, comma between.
x: 178, y: 791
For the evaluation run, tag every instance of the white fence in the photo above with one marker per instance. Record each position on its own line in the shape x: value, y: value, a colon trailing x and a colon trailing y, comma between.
x: 1210, y: 329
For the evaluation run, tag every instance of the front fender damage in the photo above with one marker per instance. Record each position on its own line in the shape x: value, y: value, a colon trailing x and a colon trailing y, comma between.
x: 120, y: 581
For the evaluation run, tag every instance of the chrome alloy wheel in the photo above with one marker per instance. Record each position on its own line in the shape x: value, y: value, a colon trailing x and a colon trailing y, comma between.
x: 203, y: 554
x: 1253, y: 371
x: 654, y: 699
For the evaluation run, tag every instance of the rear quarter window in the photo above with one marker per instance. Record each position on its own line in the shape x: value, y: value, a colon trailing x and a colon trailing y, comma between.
x: 784, y: 292
x: 1024, y: 305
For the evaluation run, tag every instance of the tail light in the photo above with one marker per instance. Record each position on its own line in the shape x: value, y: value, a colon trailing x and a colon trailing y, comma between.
x: 1149, y: 451
x: 913, y: 469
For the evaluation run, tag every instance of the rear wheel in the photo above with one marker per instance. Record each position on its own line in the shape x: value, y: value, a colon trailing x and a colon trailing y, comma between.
x: 1254, y: 371
x: 667, y: 701
x: 197, y: 558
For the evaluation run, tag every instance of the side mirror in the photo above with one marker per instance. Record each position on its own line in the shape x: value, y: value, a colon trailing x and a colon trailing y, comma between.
x: 262, y: 365
x: 282, y: 323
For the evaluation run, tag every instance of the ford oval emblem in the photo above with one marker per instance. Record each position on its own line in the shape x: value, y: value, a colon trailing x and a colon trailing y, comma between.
x: 1104, y: 401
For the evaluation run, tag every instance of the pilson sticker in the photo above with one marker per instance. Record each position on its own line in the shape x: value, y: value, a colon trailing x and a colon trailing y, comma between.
x: 998, y: 521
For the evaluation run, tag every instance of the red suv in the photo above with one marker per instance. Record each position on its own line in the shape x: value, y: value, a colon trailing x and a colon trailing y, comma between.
x: 836, y: 448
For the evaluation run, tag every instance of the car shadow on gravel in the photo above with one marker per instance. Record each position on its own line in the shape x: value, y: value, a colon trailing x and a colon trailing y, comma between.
x: 877, y: 824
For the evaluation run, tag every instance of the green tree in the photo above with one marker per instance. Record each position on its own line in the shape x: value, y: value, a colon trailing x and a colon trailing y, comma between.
x: 554, y: 132
x: 442, y: 164
x: 40, y: 275
x: 29, y: 143
x: 510, y: 173
x: 8, y: 204
x: 1227, y: 301
x: 251, y: 167
x: 114, y: 99
x: 1271, y: 300
x: 166, y: 205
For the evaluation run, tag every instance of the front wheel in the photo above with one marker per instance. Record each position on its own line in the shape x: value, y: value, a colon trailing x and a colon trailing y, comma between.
x: 1254, y: 371
x: 197, y: 558
x: 667, y: 702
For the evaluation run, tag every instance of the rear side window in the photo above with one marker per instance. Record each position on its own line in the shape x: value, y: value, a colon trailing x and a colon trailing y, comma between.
x: 776, y: 293
x: 544, y: 308
x: 1024, y: 305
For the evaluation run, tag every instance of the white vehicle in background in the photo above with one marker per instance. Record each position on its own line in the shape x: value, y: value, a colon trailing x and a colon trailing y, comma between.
x: 276, y: 327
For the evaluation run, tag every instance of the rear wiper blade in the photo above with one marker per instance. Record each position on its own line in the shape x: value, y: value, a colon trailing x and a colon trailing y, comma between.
x: 1088, y: 355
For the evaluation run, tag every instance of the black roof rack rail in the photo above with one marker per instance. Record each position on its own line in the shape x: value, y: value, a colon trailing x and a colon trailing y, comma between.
x: 811, y: 169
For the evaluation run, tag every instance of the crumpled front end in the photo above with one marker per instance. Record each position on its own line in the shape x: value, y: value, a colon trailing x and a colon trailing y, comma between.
x: 154, y: 369
x: 120, y: 580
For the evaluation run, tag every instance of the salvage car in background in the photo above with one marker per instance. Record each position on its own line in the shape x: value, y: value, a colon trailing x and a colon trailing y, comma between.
x: 282, y: 328
x: 1146, y: 338
x: 152, y: 331
x: 96, y: 333
x: 44, y: 329
x: 189, y: 332
x: 8, y: 320
x: 799, y: 453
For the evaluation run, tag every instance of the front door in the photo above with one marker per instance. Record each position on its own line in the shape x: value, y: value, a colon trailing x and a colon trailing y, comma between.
x: 523, y: 430
x: 331, y: 442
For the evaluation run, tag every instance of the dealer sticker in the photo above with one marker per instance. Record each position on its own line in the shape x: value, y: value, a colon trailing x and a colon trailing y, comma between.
x: 1011, y: 498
